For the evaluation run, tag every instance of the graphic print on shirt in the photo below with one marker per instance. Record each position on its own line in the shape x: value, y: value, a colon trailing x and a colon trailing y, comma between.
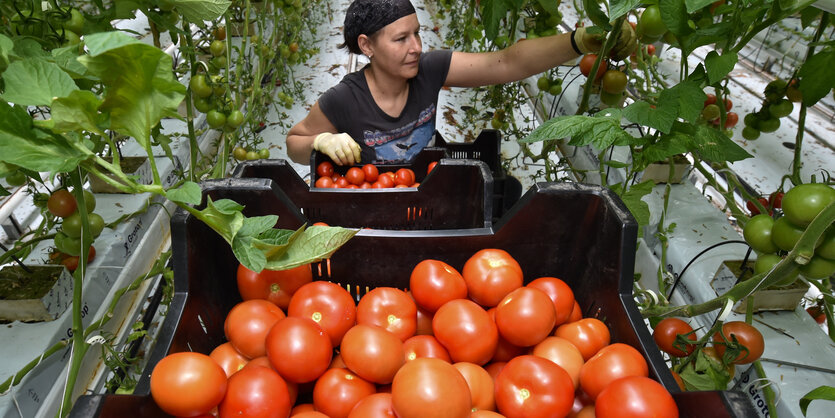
x: 403, y: 143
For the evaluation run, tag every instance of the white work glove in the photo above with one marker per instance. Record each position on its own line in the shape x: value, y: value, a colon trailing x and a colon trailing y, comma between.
x: 625, y: 45
x: 342, y: 149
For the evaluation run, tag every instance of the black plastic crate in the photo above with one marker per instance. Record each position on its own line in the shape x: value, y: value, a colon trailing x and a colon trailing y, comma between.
x: 487, y: 147
x: 581, y: 234
x: 457, y: 194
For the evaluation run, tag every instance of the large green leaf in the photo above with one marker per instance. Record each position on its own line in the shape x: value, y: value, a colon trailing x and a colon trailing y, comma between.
x: 492, y: 13
x: 140, y: 88
x: 67, y: 59
x: 200, y: 10
x: 719, y: 66
x: 224, y: 216
x: 6, y: 51
x: 632, y: 198
x: 675, y: 17
x: 550, y: 6
x: 22, y: 144
x: 694, y: 5
x: 77, y: 111
x: 188, y: 193
x: 596, y: 14
x: 821, y: 392
x: 815, y: 80
x: 809, y: 15
x: 34, y: 82
x: 29, y: 48
x: 706, y: 36
x: 709, y: 143
x: 601, y: 131
x: 314, y: 244
x: 618, y: 8
x: 687, y: 97
x: 665, y: 147
x: 660, y: 118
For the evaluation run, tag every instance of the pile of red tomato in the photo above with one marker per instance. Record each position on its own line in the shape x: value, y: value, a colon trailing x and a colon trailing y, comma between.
x: 365, y: 177
x: 475, y: 343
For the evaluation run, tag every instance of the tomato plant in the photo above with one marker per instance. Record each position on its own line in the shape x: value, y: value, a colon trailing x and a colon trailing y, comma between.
x: 372, y: 353
x: 187, y: 384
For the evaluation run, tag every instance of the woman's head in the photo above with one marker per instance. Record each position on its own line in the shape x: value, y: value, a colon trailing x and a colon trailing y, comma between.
x: 367, y: 17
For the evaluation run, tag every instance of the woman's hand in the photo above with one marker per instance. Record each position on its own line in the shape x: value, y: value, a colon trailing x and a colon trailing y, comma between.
x: 342, y: 149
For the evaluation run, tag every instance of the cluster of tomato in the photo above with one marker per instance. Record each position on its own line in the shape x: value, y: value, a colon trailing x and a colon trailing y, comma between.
x: 365, y: 177
x: 771, y: 238
x: 60, y: 27
x: 63, y: 204
x: 711, y: 112
x: 459, y: 344
x: 743, y: 342
x: 550, y: 85
x: 778, y: 103
x: 612, y: 81
x: 209, y: 93
x: 544, y: 23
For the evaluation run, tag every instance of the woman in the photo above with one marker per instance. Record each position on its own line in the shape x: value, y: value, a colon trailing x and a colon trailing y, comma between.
x: 386, y: 111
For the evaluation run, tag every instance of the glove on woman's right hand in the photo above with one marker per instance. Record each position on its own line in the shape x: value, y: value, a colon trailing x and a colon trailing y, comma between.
x: 342, y: 149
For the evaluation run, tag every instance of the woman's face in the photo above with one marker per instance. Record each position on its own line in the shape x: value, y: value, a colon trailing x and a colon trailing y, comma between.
x: 396, y: 47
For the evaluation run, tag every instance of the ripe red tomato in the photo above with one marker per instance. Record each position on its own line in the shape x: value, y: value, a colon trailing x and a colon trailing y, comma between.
x: 299, y: 349
x: 431, y: 166
x: 466, y: 331
x: 505, y: 351
x: 576, y: 313
x: 480, y: 383
x: 560, y: 293
x: 534, y: 387
x: 525, y: 316
x: 229, y: 359
x: 341, y: 183
x: 752, y: 208
x: 609, y: 364
x: 633, y: 397
x: 248, y: 323
x: 385, y: 180
x: 324, y: 169
x: 372, y: 353
x: 262, y: 361
x: 421, y: 346
x: 355, y: 176
x: 430, y: 388
x: 650, y: 49
x: 338, y: 390
x: 481, y: 413
x: 587, y: 62
x: 187, y: 384
x: 255, y: 392
x: 490, y: 275
x: 377, y: 405
x: 818, y: 313
x: 276, y: 286
x: 434, y: 283
x: 310, y: 414
x: 328, y: 304
x: 564, y: 354
x: 665, y: 334
x: 495, y: 368
x: 404, y: 176
x: 371, y: 173
x: 711, y: 99
x: 301, y: 408
x: 325, y: 183
x: 424, y: 322
x: 776, y: 200
x: 389, y: 308
x: 589, y: 335
x: 731, y: 119
x: 365, y: 185
x: 61, y: 203
x: 747, y: 336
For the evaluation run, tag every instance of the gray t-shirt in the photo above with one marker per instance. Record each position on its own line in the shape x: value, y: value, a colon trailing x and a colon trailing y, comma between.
x: 350, y: 107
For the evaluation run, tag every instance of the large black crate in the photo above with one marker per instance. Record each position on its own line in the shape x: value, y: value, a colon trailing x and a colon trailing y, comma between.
x: 581, y: 234
x: 487, y: 147
x: 456, y: 194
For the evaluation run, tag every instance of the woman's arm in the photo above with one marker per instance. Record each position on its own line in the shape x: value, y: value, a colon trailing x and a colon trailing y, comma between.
x: 300, y: 137
x: 518, y: 61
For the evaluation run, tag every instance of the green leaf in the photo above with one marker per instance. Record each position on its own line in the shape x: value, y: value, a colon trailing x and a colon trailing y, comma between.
x: 618, y: 8
x: 821, y: 392
x: 687, y: 97
x: 815, y: 80
x: 706, y: 36
x: 601, y: 131
x: 694, y: 381
x: 550, y: 6
x: 22, y: 144
x: 29, y: 48
x: 632, y: 199
x: 615, y: 164
x: 809, y: 15
x: 257, y: 225
x: 718, y: 66
x: 694, y: 5
x: 596, y: 14
x: 712, y: 145
x: 224, y: 216
x: 34, y: 82
x: 246, y: 253
x: 492, y: 13
x: 675, y: 17
x: 6, y: 51
x: 200, y: 10
x: 67, y: 59
x: 253, y: 252
x: 77, y: 111
x: 140, y: 86
x: 666, y: 147
x: 314, y: 244
x: 642, y: 113
x: 188, y: 193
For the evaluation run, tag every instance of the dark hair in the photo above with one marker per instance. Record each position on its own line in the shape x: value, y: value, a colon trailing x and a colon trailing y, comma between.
x: 366, y: 17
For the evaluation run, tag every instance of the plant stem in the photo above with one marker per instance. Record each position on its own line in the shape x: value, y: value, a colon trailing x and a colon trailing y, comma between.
x: 801, y: 121
x: 192, y: 64
x: 604, y: 51
x: 767, y: 391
